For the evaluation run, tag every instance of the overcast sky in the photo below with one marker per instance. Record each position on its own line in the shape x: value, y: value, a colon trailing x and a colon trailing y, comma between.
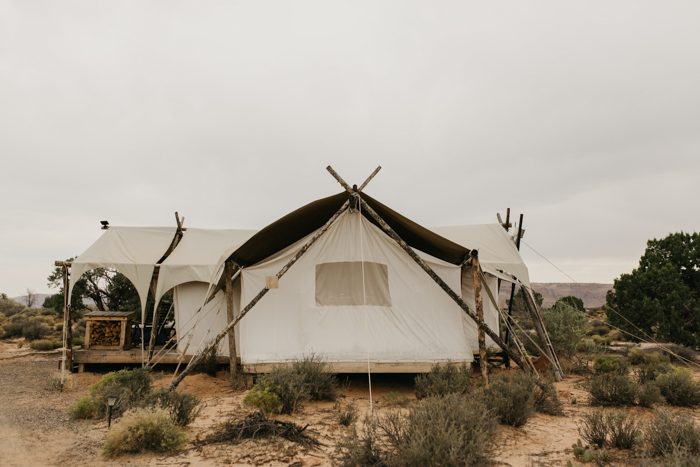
x: 583, y: 115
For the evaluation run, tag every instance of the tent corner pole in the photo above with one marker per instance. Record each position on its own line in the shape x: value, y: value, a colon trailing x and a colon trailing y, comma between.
x: 479, y: 306
x: 230, y: 269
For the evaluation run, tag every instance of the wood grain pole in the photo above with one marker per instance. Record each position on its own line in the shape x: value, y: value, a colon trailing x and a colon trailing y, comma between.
x: 230, y: 269
x: 198, y: 357
x: 479, y: 306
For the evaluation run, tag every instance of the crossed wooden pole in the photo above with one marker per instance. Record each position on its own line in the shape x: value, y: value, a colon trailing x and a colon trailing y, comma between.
x: 355, y: 195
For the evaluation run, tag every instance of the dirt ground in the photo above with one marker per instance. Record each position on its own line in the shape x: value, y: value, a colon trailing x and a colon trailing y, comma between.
x: 36, y: 430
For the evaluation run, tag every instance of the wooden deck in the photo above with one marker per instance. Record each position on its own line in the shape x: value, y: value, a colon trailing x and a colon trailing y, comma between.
x: 128, y: 357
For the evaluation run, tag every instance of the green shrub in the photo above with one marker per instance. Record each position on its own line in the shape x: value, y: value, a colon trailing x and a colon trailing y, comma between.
x: 586, y: 454
x: 594, y: 428
x: 130, y: 387
x: 609, y: 364
x: 678, y: 388
x: 84, y: 408
x: 586, y: 345
x: 442, y: 380
x: 612, y: 390
x: 448, y: 430
x: 511, y: 396
x: 566, y: 326
x: 347, y: 413
x: 45, y: 344
x: 33, y: 330
x: 182, y: 407
x: 653, y: 365
x: 263, y: 399
x: 141, y: 430
x: 623, y: 430
x: 546, y: 398
x: 671, y: 432
x: 305, y: 380
x: 648, y: 394
x: 319, y: 382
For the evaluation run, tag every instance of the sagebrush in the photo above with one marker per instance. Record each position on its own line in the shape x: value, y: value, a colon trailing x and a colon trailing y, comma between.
x: 146, y: 429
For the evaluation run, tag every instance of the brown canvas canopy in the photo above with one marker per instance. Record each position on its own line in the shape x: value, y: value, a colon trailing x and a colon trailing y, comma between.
x: 307, y: 219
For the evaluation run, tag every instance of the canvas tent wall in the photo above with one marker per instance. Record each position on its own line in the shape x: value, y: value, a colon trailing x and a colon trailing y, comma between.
x: 407, y: 318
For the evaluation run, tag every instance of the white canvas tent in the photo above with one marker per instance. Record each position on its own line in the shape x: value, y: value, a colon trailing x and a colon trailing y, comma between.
x: 354, y: 297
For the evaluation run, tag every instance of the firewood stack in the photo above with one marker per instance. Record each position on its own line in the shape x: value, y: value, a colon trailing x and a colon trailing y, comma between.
x: 105, y: 333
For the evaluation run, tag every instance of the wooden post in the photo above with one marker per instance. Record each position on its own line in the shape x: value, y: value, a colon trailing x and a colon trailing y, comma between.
x: 179, y: 232
x: 67, y: 357
x: 509, y: 338
x: 198, y: 357
x: 547, y: 347
x: 229, y: 271
x: 479, y: 305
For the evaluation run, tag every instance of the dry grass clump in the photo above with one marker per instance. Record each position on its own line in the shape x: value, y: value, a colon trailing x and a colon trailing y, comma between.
x: 615, y: 429
x: 45, y: 344
x: 437, y: 431
x: 149, y: 429
x: 679, y: 388
x: 671, y: 433
x: 443, y: 380
x: 347, y: 413
x: 257, y: 425
x: 285, y: 389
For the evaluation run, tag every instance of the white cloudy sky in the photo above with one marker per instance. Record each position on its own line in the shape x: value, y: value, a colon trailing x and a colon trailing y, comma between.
x: 583, y: 115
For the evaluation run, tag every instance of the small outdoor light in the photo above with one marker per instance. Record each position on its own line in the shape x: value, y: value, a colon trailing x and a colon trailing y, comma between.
x: 111, y: 400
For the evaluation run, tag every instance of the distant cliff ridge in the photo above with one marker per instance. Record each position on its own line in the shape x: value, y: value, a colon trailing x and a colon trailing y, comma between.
x: 593, y: 295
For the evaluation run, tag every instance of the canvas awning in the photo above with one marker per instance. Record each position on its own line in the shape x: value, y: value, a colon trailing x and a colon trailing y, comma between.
x: 498, y: 254
x: 132, y: 251
x: 196, y: 257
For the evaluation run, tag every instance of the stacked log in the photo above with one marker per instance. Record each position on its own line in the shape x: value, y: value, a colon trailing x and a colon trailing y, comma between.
x: 106, y: 333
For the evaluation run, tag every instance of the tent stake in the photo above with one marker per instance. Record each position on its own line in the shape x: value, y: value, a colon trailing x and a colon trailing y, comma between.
x: 479, y: 305
x: 198, y: 357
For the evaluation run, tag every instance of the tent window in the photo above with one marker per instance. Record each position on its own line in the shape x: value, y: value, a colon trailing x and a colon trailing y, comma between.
x: 341, y: 284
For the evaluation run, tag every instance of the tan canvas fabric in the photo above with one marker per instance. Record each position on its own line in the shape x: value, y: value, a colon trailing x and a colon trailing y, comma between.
x: 341, y: 283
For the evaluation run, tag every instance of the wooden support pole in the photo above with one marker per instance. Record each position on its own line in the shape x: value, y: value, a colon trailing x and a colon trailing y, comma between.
x: 509, y: 338
x: 67, y: 358
x: 547, y: 347
x: 443, y: 285
x: 229, y: 270
x: 198, y: 357
x: 479, y: 306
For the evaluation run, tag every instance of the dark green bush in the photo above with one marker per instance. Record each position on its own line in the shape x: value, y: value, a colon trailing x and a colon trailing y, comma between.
x: 182, y: 407
x: 609, y: 364
x: 443, y: 380
x: 83, y: 408
x: 511, y: 396
x: 678, y: 388
x: 292, y: 385
x: 142, y: 430
x: 612, y: 389
x: 648, y: 394
x: 566, y: 326
x: 670, y: 432
x: 130, y: 387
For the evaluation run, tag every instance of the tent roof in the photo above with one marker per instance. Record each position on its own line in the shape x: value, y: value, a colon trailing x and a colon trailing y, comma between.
x: 497, y: 251
x: 133, y: 251
x: 305, y: 220
x: 197, y: 255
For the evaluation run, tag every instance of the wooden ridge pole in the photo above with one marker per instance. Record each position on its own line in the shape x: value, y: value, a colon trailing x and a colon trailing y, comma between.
x: 198, y: 357
x: 479, y: 306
